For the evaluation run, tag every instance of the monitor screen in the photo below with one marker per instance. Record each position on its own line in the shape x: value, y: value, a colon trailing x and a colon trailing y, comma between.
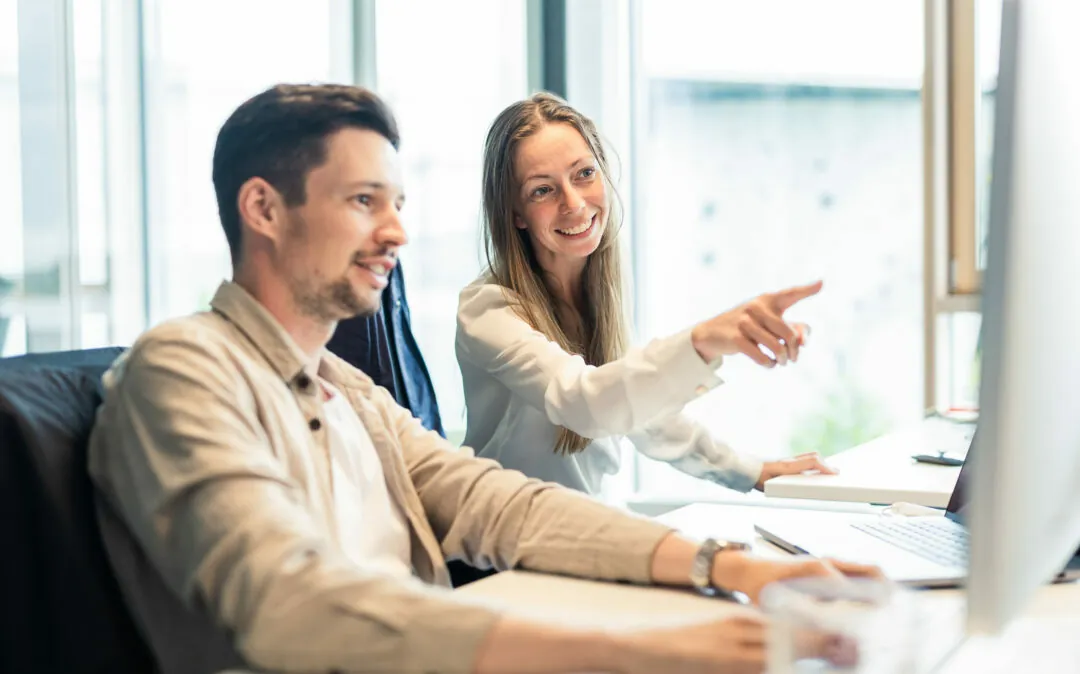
x: 1024, y: 479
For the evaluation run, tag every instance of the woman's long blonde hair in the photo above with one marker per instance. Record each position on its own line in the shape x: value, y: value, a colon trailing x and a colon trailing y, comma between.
x: 512, y: 262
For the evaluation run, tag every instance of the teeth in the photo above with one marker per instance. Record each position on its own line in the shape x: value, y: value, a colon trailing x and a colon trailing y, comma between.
x: 379, y: 269
x: 576, y: 230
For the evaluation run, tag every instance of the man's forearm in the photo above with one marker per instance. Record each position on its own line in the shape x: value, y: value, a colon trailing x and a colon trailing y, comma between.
x: 674, y: 557
x: 519, y: 646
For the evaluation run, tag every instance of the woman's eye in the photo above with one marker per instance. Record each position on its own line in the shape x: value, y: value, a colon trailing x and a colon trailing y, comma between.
x: 364, y: 199
x: 588, y: 172
x: 541, y: 192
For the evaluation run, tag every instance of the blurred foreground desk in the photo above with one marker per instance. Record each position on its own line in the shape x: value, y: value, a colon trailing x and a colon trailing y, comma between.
x: 882, y: 471
x: 1042, y: 640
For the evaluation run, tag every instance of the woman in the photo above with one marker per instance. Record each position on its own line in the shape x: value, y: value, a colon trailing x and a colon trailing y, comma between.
x: 550, y: 385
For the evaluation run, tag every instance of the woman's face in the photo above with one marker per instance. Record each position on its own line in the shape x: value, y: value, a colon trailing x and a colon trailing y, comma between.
x: 561, y: 199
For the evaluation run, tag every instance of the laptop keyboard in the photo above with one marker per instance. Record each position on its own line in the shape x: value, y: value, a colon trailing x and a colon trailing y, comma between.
x: 938, y: 539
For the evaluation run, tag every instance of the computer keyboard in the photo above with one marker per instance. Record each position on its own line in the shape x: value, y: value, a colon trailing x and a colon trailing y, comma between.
x: 938, y: 539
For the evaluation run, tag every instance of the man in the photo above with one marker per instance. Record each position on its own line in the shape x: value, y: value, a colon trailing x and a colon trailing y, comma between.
x: 265, y: 505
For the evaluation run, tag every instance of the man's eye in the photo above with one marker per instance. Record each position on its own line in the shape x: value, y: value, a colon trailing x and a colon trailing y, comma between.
x: 364, y: 199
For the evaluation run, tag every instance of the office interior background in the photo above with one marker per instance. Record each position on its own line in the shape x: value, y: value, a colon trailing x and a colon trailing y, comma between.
x: 759, y: 145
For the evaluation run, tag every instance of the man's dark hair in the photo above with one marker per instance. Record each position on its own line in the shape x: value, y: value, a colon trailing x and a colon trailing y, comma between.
x: 280, y: 136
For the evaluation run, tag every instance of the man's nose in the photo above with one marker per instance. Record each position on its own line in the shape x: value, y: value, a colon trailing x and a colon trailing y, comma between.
x: 391, y: 230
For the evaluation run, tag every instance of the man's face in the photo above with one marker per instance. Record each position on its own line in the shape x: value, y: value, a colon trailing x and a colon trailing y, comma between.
x: 340, y: 245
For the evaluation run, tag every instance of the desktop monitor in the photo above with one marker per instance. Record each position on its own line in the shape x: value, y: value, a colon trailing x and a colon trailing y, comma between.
x: 1024, y: 515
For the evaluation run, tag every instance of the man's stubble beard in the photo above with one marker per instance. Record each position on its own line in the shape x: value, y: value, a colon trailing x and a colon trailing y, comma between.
x: 326, y: 302
x: 331, y: 302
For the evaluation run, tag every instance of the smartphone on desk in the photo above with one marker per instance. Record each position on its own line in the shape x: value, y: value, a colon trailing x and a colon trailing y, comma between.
x: 941, y: 458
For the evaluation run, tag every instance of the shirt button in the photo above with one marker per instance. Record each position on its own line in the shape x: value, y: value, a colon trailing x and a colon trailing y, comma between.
x: 314, y: 424
x: 304, y: 382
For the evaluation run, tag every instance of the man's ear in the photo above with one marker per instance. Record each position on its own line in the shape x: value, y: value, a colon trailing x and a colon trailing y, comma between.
x: 262, y: 208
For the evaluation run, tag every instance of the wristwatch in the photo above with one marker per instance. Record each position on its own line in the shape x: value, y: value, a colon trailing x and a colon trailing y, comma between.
x: 701, y: 569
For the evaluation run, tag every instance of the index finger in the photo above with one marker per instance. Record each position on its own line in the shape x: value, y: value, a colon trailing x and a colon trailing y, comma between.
x: 856, y: 570
x: 784, y: 299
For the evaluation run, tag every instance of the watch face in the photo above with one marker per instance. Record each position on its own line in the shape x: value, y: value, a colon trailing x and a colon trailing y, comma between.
x: 701, y: 570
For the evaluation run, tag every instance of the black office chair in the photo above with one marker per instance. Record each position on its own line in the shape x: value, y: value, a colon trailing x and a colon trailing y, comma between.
x: 61, y: 610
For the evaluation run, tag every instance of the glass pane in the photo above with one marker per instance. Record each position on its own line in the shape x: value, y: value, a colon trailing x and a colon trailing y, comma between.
x: 37, y: 292
x: 204, y: 58
x: 775, y: 154
x: 12, y: 339
x: 89, y: 142
x: 91, y: 176
x: 958, y: 351
x: 988, y: 42
x: 443, y: 121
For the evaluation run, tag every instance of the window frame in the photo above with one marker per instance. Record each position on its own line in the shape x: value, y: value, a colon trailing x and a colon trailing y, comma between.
x: 951, y: 92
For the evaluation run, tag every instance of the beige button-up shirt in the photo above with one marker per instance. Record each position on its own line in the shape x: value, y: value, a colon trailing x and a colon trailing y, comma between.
x: 212, y: 463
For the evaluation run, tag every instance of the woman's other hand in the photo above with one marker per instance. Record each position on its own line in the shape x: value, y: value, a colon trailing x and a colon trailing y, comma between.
x: 796, y: 465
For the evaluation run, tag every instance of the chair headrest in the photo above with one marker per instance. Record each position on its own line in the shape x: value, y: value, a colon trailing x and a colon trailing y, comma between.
x: 59, y: 590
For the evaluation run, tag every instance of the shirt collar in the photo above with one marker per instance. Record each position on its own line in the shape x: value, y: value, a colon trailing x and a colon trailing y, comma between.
x: 277, y: 346
x: 263, y: 330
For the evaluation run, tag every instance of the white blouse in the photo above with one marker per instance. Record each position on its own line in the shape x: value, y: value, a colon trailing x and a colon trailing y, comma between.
x: 520, y: 387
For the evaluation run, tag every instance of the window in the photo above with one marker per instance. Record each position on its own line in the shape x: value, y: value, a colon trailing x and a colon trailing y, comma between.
x: 969, y: 60
x: 72, y: 267
x: 12, y: 332
x: 90, y: 177
x: 53, y: 279
x: 959, y: 353
x: 957, y: 326
x: 988, y: 42
x: 204, y: 58
x: 446, y: 74
x: 777, y: 152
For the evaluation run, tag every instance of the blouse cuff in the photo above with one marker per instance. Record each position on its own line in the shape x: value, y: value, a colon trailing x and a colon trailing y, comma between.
x: 687, y: 368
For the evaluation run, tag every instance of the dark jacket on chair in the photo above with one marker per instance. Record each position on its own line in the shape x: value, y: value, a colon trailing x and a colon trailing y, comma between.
x: 382, y: 347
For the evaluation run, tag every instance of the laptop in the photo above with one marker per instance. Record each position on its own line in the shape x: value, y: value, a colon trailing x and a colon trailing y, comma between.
x: 915, y: 551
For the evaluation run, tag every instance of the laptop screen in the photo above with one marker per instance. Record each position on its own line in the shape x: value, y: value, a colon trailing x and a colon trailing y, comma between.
x: 959, y: 500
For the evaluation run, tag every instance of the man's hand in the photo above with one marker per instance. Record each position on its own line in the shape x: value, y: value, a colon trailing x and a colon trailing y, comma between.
x: 793, y: 466
x: 759, y: 322
x: 749, y: 575
x: 735, y: 645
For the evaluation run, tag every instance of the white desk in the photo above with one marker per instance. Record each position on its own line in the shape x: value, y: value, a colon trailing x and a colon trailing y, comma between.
x: 1042, y: 640
x: 882, y: 470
